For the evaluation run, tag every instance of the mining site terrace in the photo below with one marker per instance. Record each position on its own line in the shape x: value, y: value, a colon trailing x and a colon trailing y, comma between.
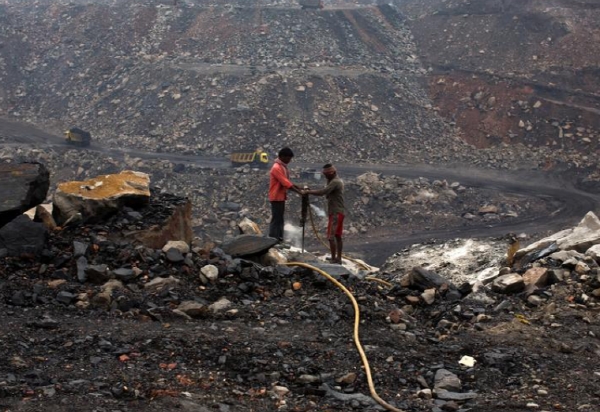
x: 447, y: 120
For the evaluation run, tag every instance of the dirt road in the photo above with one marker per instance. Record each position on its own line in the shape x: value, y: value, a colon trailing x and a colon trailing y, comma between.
x: 571, y: 203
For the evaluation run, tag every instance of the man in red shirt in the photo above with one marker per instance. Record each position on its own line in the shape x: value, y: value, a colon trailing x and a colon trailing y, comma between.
x: 279, y: 184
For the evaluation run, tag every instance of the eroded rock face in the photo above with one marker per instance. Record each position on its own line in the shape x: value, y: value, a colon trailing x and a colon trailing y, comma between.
x: 22, y: 186
x: 98, y: 197
x: 177, y: 227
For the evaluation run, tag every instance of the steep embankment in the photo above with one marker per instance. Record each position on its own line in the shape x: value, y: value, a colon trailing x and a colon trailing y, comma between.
x: 360, y: 83
x: 343, y: 84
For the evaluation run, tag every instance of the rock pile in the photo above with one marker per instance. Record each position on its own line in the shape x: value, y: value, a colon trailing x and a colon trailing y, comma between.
x: 529, y: 98
x: 348, y: 83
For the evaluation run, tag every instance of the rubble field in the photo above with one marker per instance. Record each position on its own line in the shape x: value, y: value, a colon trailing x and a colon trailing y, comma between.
x: 101, y: 323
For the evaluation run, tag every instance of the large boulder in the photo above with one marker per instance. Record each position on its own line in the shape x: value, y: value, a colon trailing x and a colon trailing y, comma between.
x: 423, y: 279
x: 96, y: 198
x: 580, y: 238
x: 22, y: 186
x: 248, y: 245
x: 22, y: 236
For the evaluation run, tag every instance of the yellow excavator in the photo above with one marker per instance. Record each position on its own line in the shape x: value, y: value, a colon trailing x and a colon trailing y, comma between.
x: 311, y: 4
x: 256, y: 158
x: 78, y: 137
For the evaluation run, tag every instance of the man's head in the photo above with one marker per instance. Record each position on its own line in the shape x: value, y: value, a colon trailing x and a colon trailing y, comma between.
x: 285, y: 155
x: 329, y: 171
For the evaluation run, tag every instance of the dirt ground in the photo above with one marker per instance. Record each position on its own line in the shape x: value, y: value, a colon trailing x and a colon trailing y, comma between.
x: 284, y: 342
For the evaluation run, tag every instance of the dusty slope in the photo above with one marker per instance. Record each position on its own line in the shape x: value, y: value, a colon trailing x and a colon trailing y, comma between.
x: 346, y: 83
x: 512, y: 72
x: 203, y: 79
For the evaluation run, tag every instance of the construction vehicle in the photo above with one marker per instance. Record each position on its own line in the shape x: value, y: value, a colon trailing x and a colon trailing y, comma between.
x: 310, y: 174
x: 256, y: 158
x: 78, y: 137
x: 311, y: 4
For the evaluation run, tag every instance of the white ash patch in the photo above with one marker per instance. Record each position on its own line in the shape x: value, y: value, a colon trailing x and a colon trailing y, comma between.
x: 458, y: 260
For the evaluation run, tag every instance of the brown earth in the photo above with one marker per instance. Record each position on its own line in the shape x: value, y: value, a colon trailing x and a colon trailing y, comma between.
x: 510, y: 72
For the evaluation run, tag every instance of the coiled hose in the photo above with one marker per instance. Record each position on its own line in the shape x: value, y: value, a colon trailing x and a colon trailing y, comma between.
x: 356, y: 337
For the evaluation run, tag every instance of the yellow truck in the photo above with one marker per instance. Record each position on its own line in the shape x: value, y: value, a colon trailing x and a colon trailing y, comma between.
x: 256, y: 158
x: 78, y: 137
x: 311, y: 4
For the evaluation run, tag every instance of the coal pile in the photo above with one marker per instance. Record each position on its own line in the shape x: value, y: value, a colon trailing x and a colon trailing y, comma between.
x: 99, y: 320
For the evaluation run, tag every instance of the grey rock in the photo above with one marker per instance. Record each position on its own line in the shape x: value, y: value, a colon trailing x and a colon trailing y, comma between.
x: 135, y: 215
x: 230, y: 206
x: 455, y: 396
x: 424, y: 279
x: 161, y: 283
x: 124, y: 274
x: 97, y: 274
x: 65, y: 297
x: 82, y: 265
x: 248, y: 245
x: 446, y: 380
x: 22, y: 186
x: 348, y: 397
x: 79, y: 249
x: 336, y: 271
x: 23, y: 236
x: 173, y: 255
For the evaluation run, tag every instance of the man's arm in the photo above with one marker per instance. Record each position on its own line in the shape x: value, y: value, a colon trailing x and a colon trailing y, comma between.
x: 295, y: 188
x: 322, y: 192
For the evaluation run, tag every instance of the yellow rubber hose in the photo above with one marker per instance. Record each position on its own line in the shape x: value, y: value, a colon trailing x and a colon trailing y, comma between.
x: 383, y: 282
x: 356, y: 336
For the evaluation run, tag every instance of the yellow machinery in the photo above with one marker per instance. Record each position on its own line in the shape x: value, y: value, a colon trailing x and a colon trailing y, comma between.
x: 311, y: 4
x: 257, y: 158
x: 78, y: 137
